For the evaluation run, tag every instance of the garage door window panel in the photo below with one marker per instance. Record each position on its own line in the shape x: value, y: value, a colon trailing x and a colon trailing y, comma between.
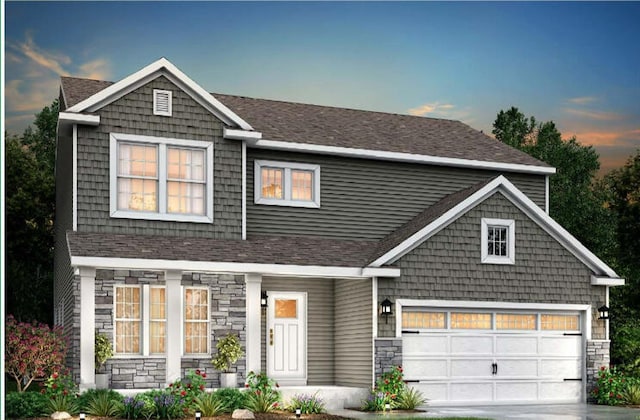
x: 550, y: 322
x: 470, y: 321
x: 424, y: 320
x: 516, y: 322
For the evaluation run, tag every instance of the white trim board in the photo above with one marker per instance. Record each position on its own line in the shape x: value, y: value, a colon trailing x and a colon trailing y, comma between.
x: 232, y: 267
x: 522, y: 202
x: 166, y: 68
x: 399, y: 157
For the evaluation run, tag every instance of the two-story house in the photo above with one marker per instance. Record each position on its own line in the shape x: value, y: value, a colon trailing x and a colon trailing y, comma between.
x: 335, y: 242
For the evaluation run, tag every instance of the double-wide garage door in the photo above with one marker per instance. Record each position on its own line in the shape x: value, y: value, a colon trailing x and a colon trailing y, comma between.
x: 460, y: 356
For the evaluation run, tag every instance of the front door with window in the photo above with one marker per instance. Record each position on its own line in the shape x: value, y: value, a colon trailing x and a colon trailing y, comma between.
x: 287, y: 337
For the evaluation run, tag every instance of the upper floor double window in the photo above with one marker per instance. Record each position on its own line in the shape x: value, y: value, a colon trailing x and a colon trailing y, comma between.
x: 161, y: 179
x: 287, y: 184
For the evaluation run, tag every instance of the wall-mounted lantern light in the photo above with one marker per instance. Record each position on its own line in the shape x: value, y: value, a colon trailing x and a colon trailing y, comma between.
x: 604, y: 312
x: 263, y: 300
x: 385, y: 309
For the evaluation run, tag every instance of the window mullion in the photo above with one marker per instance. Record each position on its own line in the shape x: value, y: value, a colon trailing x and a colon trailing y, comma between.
x: 286, y: 184
x: 145, y: 313
x: 162, y: 178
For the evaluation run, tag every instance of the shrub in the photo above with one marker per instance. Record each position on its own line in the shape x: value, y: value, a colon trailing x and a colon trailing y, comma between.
x: 166, y: 405
x: 100, y: 402
x: 410, y: 399
x: 308, y: 404
x: 261, y: 397
x: 229, y: 351
x: 25, y: 405
x: 210, y: 404
x: 232, y: 398
x: 91, y: 394
x: 32, y: 351
x: 189, y: 388
x: 137, y: 407
x: 103, y: 350
x: 609, y: 387
x: 631, y: 393
x: 61, y: 391
x: 388, y: 389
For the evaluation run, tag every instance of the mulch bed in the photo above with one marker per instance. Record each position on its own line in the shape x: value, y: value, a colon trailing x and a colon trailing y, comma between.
x: 277, y: 415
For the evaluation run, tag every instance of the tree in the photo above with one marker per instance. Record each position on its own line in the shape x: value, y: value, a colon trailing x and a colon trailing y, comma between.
x: 29, y: 206
x: 622, y: 190
x: 573, y: 201
x: 32, y: 351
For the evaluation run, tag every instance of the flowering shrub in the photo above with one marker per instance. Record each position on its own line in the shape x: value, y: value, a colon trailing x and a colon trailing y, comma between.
x: 610, y: 386
x: 189, y: 389
x: 388, y: 390
x: 308, y: 404
x: 261, y: 397
x: 32, y: 351
x: 137, y: 407
x: 166, y: 405
x: 61, y: 392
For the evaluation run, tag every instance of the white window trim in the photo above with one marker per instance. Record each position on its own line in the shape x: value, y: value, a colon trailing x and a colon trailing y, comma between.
x: 510, y: 258
x: 169, y: 94
x: 287, y: 167
x: 162, y: 213
x: 115, y: 323
x: 183, y: 320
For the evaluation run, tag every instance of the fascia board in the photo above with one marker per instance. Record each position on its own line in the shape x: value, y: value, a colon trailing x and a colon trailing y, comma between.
x: 401, y: 157
x: 148, y: 73
x: 230, y: 267
x: 233, y: 134
x: 606, y: 281
x: 75, y: 118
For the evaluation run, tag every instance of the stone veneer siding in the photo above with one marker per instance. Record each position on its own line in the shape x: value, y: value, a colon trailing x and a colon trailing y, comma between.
x: 388, y: 353
x: 597, y: 357
x: 227, y: 314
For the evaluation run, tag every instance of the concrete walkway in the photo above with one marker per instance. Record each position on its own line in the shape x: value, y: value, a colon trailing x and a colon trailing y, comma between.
x: 511, y: 412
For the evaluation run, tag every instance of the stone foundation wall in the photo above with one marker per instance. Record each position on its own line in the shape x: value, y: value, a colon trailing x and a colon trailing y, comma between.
x: 388, y: 353
x: 597, y: 357
x: 227, y: 315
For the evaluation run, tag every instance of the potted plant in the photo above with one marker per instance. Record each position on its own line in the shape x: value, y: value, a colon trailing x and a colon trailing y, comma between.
x: 103, y: 351
x: 229, y: 351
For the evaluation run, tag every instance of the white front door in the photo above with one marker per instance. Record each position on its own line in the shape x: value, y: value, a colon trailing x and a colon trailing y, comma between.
x: 287, y: 337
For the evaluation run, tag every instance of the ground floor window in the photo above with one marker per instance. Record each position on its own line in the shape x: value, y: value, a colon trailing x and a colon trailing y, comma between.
x: 196, y: 321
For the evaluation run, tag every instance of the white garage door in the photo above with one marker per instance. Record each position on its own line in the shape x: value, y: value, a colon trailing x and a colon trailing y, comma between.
x: 460, y: 356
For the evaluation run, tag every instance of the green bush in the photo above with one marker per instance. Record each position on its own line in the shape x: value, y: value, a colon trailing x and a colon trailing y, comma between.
x: 100, y: 402
x: 103, y: 350
x: 389, y: 387
x: 138, y: 407
x: 210, y: 404
x: 631, y: 393
x: 229, y: 351
x: 233, y: 398
x: 25, y: 405
x: 410, y: 399
x: 609, y: 387
x: 261, y: 396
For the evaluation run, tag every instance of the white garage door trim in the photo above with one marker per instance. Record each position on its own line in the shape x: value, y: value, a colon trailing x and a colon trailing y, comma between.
x: 494, y: 335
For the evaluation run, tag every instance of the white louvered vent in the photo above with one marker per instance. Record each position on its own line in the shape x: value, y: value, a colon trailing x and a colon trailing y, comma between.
x: 162, y: 102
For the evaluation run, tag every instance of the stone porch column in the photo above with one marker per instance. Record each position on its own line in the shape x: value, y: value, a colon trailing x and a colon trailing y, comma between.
x: 87, y: 327
x: 174, y: 316
x: 253, y: 348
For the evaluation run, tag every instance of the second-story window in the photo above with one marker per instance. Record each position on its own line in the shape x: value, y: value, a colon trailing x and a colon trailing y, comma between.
x: 161, y: 179
x: 498, y: 241
x: 287, y: 184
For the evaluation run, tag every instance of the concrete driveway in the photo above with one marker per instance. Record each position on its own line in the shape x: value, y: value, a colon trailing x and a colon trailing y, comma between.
x: 513, y: 412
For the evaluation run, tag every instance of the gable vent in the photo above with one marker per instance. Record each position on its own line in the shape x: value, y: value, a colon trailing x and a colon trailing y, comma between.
x: 162, y: 102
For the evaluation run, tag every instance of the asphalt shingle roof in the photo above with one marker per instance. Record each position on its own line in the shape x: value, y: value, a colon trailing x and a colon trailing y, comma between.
x: 350, y: 128
x: 290, y: 250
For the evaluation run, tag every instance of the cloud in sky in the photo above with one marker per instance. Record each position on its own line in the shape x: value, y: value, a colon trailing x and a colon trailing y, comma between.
x: 594, y: 115
x: 33, y: 78
x: 582, y: 100
x: 442, y: 110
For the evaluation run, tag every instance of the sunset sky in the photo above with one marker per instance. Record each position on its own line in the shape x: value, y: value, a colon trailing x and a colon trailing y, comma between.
x: 575, y: 63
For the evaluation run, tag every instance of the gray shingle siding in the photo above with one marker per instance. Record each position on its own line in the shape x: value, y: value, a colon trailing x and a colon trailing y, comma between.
x: 133, y: 114
x: 448, y: 267
x: 367, y: 199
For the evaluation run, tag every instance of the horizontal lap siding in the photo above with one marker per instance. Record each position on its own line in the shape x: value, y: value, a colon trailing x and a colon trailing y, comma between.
x: 447, y: 266
x: 366, y: 199
x: 353, y: 333
x: 132, y: 114
x: 320, y: 320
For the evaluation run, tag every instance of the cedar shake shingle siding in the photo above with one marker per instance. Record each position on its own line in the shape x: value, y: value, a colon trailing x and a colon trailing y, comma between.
x: 448, y: 267
x: 133, y: 114
x: 367, y: 199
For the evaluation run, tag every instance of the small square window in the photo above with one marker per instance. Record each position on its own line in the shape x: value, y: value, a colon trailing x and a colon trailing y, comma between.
x: 498, y: 241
